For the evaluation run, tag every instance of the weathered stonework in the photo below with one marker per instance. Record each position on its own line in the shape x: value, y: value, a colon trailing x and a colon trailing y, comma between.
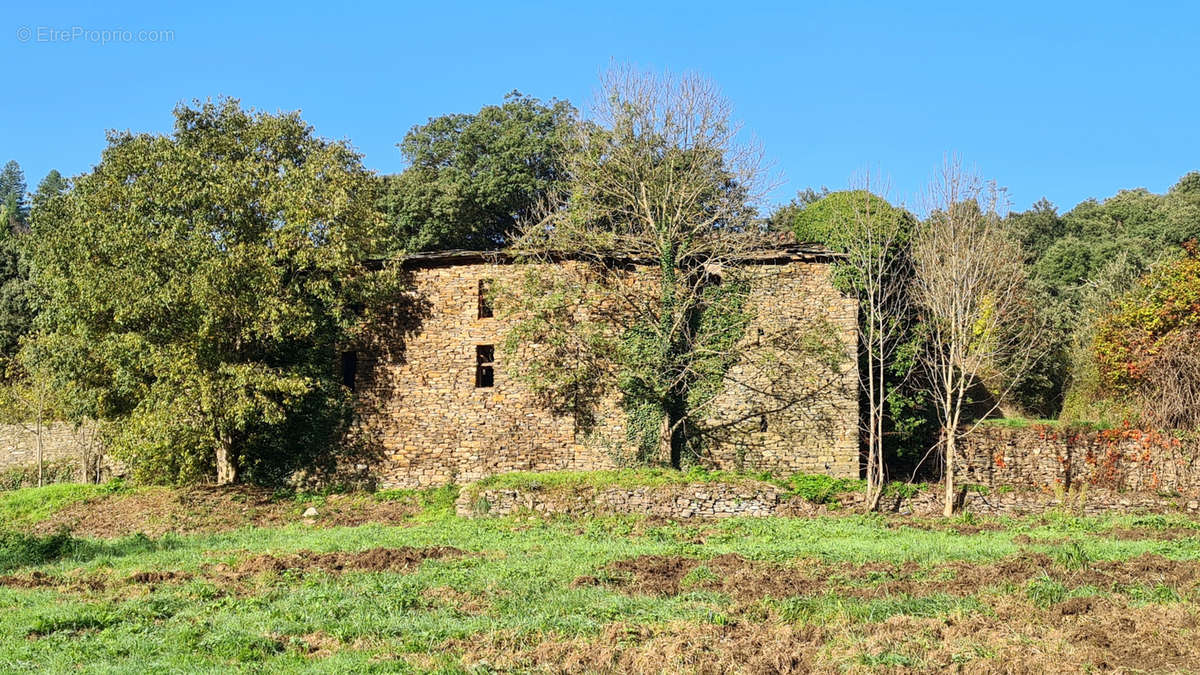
x: 69, y: 452
x: 698, y: 500
x: 425, y: 422
x: 1043, y: 457
x: 748, y: 499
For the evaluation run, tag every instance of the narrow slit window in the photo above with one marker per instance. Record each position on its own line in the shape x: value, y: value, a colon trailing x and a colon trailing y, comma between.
x: 349, y: 369
x: 762, y: 424
x: 485, y: 366
x: 485, y: 299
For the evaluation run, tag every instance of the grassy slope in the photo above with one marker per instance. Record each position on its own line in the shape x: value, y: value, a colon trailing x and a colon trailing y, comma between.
x: 522, y: 579
x: 19, y: 508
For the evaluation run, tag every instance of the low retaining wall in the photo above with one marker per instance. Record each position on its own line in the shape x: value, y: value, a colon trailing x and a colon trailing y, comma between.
x: 720, y: 500
x: 1122, y: 460
x: 699, y: 500
x: 1083, y: 502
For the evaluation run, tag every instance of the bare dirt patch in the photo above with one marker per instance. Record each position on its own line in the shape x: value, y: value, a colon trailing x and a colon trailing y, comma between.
x: 1014, y: 636
x: 675, y: 647
x: 372, y: 560
x: 1165, y: 534
x: 159, y: 577
x: 748, y: 580
x: 154, y: 512
x: 79, y: 583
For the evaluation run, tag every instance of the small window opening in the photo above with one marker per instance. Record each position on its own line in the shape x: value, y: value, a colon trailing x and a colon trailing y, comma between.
x: 485, y: 299
x: 349, y: 369
x: 485, y: 366
x: 762, y: 424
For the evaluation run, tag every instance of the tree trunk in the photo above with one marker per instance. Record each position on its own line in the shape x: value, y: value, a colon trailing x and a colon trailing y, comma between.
x: 41, y: 463
x: 664, y: 440
x: 874, y: 439
x: 951, y: 449
x: 227, y: 470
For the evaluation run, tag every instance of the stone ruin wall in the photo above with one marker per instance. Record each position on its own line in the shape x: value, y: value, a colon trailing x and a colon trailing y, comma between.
x: 1050, y: 458
x: 69, y: 453
x: 424, y: 422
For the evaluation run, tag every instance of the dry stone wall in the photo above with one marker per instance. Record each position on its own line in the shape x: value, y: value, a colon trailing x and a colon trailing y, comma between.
x: 1043, y: 457
x: 811, y: 396
x: 424, y: 420
x: 725, y: 500
x: 698, y: 500
x: 71, y: 453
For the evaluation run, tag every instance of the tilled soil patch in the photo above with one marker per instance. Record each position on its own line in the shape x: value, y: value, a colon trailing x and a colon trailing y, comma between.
x: 403, y: 559
x: 155, y: 512
x: 750, y: 580
x: 159, y: 577
x: 372, y: 560
x: 1013, y: 637
x: 36, y: 580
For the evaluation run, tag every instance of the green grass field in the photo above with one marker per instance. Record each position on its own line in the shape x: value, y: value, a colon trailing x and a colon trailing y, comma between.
x: 621, y: 594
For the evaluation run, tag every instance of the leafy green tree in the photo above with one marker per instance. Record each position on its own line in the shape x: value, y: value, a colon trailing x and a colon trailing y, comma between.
x: 472, y: 177
x: 874, y: 238
x: 193, y: 288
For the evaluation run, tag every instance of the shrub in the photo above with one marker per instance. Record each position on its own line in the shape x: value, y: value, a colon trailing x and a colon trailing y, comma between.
x: 61, y: 471
x: 820, y: 489
x: 1147, y: 348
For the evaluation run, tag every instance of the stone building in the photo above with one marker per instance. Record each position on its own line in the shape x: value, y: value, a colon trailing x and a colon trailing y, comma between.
x: 439, y: 403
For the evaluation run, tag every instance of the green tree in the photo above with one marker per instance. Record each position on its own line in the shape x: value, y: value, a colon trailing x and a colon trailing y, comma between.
x: 874, y: 238
x: 659, y: 179
x: 472, y: 177
x: 14, y: 212
x: 193, y: 288
x: 16, y: 314
x: 1147, y: 348
x: 1081, y: 261
x: 51, y: 186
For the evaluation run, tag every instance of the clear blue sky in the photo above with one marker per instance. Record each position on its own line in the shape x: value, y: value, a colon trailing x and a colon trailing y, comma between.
x: 1062, y: 100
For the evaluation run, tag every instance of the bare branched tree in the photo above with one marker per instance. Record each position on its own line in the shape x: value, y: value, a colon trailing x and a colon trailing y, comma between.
x: 970, y: 284
x: 660, y: 184
x: 874, y: 237
x: 1169, y: 389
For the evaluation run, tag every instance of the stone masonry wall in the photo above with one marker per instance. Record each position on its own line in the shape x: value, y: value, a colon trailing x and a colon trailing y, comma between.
x: 424, y: 421
x: 812, y: 426
x: 63, y: 446
x: 421, y: 409
x: 1122, y: 460
x: 700, y: 500
x: 726, y: 500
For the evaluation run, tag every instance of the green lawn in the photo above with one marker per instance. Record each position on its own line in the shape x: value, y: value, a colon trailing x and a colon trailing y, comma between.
x: 871, y: 592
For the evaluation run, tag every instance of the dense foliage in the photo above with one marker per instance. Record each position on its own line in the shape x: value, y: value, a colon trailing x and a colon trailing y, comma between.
x: 823, y: 218
x: 472, y: 177
x: 1080, y: 262
x: 1148, y: 346
x: 193, y: 288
